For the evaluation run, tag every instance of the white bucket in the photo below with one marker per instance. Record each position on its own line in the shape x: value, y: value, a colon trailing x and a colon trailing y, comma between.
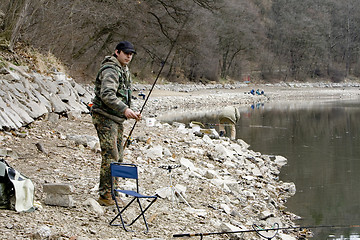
x: 196, y: 128
x: 150, y: 122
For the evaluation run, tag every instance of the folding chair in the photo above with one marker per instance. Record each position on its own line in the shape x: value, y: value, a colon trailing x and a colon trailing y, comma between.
x: 123, y: 170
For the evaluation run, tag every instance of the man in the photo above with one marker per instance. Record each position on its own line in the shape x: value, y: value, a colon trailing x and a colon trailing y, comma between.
x: 228, y: 118
x: 111, y: 107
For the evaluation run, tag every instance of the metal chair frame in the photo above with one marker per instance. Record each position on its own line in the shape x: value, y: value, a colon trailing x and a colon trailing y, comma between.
x: 125, y: 170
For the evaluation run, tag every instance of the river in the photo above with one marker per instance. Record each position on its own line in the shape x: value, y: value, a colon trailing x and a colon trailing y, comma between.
x: 321, y: 141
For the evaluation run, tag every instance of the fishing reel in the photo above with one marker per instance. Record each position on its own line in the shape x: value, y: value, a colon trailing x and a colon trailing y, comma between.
x: 129, y: 141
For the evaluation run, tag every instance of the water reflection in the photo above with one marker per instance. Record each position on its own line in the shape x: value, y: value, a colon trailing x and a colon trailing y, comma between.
x: 344, y: 238
x: 321, y: 142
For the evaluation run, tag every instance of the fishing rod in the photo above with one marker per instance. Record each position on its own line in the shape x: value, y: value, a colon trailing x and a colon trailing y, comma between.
x: 259, y: 230
x: 157, y: 77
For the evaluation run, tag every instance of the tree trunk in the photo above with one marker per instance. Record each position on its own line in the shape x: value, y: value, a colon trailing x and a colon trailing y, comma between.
x: 15, y: 17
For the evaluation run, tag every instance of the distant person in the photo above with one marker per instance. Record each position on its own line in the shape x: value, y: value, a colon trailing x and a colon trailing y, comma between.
x: 111, y: 107
x: 228, y: 118
x: 258, y: 92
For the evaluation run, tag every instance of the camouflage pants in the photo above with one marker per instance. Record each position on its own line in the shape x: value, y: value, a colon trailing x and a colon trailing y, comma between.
x: 110, y: 136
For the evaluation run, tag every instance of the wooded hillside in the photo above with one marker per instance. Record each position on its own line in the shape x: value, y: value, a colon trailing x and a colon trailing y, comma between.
x: 213, y: 39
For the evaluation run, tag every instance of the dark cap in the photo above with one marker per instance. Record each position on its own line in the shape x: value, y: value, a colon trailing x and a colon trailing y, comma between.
x: 126, y: 47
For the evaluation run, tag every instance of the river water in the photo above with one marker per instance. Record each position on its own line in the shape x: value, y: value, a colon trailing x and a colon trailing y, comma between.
x: 321, y: 141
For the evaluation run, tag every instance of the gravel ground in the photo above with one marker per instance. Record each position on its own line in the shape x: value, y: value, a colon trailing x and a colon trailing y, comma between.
x: 65, y: 161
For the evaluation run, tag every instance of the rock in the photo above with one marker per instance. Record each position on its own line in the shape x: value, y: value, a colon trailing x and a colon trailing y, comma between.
x: 21, y: 134
x: 53, y: 117
x: 3, y: 152
x: 58, y: 195
x: 59, y: 200
x: 265, y: 215
x: 226, y: 227
x: 226, y: 208
x: 290, y: 188
x: 74, y: 114
x: 154, y: 152
x: 229, y: 164
x: 207, y: 140
x: 43, y: 232
x: 8, y: 152
x: 18, y: 108
x: 197, y: 212
x: 280, y: 161
x: 57, y: 188
x: 94, y: 206
x: 256, y: 172
x: 57, y: 105
x: 94, y: 145
x: 243, y: 144
x: 283, y: 236
x: 211, y: 174
x: 187, y: 164
x: 84, y: 140
x: 223, y: 152
x: 41, y: 148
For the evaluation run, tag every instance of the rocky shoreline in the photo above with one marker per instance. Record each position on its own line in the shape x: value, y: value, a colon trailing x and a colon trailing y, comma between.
x: 26, y: 96
x: 227, y: 185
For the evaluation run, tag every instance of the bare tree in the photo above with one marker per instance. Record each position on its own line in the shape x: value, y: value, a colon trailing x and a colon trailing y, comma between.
x: 221, y: 39
x: 16, y: 15
x: 240, y: 33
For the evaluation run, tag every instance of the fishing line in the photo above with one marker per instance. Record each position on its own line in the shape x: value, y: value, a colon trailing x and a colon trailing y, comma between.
x: 158, y: 75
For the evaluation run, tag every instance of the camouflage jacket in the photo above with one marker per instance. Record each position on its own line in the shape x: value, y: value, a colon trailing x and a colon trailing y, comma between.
x: 112, y: 88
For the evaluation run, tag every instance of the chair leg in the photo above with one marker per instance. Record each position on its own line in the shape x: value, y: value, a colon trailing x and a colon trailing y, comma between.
x: 142, y: 213
x: 119, y: 215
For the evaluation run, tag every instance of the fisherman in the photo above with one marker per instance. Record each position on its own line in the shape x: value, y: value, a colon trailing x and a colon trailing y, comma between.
x: 111, y: 107
x: 228, y: 118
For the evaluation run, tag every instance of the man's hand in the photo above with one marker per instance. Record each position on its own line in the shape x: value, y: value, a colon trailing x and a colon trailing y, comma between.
x: 131, y: 114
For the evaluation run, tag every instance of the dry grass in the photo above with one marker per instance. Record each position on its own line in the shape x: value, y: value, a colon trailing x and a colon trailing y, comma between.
x: 35, y: 60
x: 42, y: 63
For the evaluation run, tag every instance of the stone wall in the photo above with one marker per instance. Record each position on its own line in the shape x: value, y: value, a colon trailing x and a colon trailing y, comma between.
x: 26, y: 96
